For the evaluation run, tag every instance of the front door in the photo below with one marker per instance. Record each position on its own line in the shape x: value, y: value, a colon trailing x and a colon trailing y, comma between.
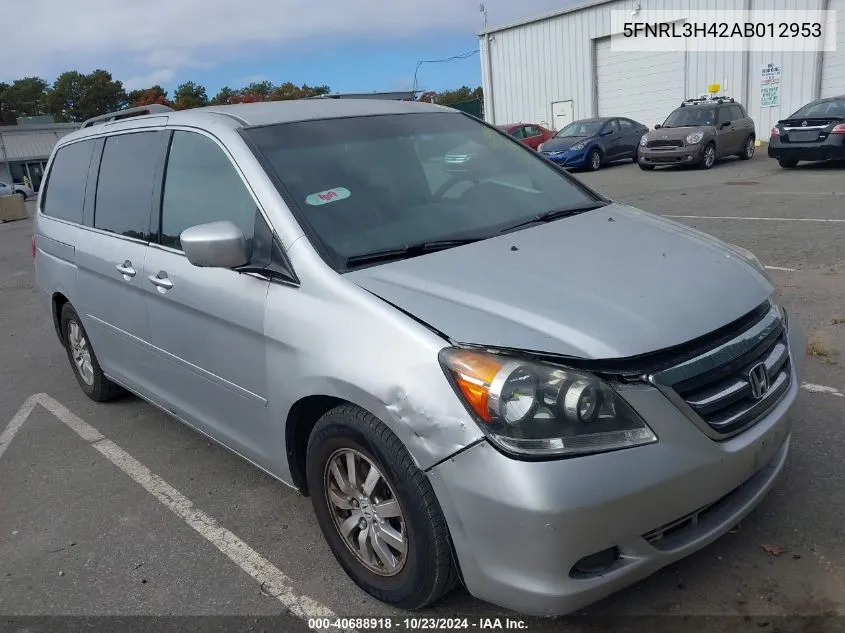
x: 726, y: 133
x: 563, y: 113
x: 208, y: 323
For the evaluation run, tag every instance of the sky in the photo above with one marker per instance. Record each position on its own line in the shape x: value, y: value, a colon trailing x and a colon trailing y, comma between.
x: 349, y: 45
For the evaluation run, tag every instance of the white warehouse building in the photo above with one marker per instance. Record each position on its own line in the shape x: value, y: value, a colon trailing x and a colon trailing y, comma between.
x: 560, y: 67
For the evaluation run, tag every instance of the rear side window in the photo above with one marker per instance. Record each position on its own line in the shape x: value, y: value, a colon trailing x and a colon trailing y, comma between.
x: 126, y: 182
x: 201, y: 185
x: 64, y: 193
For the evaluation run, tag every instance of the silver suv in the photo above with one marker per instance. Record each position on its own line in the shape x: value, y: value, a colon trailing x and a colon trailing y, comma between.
x: 477, y: 367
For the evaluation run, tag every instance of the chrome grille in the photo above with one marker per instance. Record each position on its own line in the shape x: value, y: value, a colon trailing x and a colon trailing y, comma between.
x: 717, y: 388
x: 667, y: 144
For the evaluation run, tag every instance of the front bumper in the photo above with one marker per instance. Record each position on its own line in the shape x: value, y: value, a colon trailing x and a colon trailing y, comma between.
x: 569, y: 159
x: 519, y: 528
x: 832, y: 149
x: 688, y: 155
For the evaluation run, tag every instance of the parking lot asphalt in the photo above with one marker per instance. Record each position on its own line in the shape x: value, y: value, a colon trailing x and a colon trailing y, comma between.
x: 82, y: 534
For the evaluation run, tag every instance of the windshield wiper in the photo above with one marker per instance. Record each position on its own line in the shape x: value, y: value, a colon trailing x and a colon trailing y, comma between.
x: 556, y: 214
x: 408, y: 250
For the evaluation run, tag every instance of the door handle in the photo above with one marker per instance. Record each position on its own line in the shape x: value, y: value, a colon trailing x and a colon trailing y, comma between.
x: 126, y: 269
x: 162, y: 283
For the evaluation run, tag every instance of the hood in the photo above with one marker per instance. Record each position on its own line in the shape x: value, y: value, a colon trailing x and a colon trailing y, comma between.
x: 607, y: 284
x: 558, y: 144
x: 677, y: 133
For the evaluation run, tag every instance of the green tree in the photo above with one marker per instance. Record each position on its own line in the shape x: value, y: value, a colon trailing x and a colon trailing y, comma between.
x: 288, y: 90
x: 148, y: 96
x: 223, y: 97
x: 190, y: 95
x: 76, y: 96
x: 23, y: 97
x: 464, y: 93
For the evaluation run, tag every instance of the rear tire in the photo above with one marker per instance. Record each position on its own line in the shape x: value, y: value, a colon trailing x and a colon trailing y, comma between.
x: 83, y: 360
x: 787, y: 163
x: 420, y: 571
x: 747, y: 152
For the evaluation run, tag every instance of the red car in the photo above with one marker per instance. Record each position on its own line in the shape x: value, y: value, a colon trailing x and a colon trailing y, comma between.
x: 531, y: 134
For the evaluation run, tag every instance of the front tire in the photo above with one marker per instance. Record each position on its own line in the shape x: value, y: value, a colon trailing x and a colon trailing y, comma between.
x: 22, y: 195
x: 708, y: 157
x: 83, y: 360
x: 787, y: 163
x: 594, y: 160
x: 377, y: 510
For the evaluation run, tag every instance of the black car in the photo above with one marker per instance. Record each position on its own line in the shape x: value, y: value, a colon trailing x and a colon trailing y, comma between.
x: 592, y: 143
x: 815, y: 132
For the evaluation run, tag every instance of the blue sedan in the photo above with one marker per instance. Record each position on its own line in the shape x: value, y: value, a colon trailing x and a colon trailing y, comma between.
x: 591, y: 143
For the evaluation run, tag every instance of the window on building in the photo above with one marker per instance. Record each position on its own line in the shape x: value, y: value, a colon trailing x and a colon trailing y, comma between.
x: 201, y: 185
x: 64, y: 194
x: 125, y: 184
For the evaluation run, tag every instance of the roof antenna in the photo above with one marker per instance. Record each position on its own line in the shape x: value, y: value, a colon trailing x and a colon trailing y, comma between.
x: 483, y: 11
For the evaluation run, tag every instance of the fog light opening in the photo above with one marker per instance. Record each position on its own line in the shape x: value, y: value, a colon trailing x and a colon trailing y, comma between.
x: 595, y: 564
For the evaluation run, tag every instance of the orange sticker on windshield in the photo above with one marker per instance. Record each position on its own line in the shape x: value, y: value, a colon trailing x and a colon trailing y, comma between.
x: 329, y: 195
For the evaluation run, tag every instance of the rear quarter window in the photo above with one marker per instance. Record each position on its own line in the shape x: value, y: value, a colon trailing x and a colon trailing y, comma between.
x: 64, y: 192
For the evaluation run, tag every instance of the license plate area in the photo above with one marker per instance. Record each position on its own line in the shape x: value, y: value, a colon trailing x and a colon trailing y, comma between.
x: 802, y: 136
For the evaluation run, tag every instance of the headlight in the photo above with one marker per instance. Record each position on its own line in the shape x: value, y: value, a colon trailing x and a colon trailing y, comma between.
x: 535, y: 409
x: 643, y: 140
x: 577, y: 147
x: 695, y: 137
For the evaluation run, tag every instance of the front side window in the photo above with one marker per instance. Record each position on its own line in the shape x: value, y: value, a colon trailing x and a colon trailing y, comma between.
x: 64, y: 195
x: 724, y: 115
x: 200, y: 186
x: 125, y: 184
x: 368, y: 184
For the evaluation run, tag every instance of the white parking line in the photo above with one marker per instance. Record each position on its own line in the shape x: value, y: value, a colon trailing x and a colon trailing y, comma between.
x: 272, y: 581
x: 808, y: 386
x: 789, y: 270
x: 736, y: 217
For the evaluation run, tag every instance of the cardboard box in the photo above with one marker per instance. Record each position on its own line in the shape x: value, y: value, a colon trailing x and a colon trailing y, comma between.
x: 12, y: 208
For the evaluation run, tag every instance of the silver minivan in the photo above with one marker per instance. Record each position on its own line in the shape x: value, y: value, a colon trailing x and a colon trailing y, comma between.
x: 479, y: 369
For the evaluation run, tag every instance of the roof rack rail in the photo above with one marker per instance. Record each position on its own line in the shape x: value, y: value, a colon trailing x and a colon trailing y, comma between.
x: 707, y: 99
x: 126, y: 113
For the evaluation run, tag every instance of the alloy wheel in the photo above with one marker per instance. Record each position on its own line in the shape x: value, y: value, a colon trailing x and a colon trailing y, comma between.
x: 80, y: 352
x: 366, y: 512
x: 709, y: 156
x: 749, y: 148
x: 595, y: 160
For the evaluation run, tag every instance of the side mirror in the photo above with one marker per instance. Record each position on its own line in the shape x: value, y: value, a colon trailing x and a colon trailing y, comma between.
x: 725, y: 124
x: 658, y: 126
x: 607, y: 133
x: 215, y: 245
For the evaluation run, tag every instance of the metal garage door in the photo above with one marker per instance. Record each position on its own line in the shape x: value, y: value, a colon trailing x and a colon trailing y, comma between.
x: 833, y: 62
x: 645, y: 86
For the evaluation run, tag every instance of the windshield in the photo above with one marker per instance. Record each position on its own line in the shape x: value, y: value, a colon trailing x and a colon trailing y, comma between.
x: 367, y: 184
x: 691, y: 117
x: 580, y: 128
x: 822, y: 109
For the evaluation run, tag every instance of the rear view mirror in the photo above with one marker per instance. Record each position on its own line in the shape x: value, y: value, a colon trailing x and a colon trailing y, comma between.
x: 215, y: 245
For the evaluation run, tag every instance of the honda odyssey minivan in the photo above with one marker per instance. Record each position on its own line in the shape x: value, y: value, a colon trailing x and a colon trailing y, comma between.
x: 479, y: 369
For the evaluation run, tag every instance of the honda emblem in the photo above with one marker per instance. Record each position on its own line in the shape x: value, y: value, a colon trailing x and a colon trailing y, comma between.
x: 758, y: 378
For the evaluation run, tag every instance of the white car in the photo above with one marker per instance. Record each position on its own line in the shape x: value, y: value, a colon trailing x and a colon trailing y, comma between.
x: 21, y: 190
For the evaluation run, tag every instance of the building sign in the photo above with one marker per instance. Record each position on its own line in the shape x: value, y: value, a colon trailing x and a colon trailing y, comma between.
x: 770, y: 86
